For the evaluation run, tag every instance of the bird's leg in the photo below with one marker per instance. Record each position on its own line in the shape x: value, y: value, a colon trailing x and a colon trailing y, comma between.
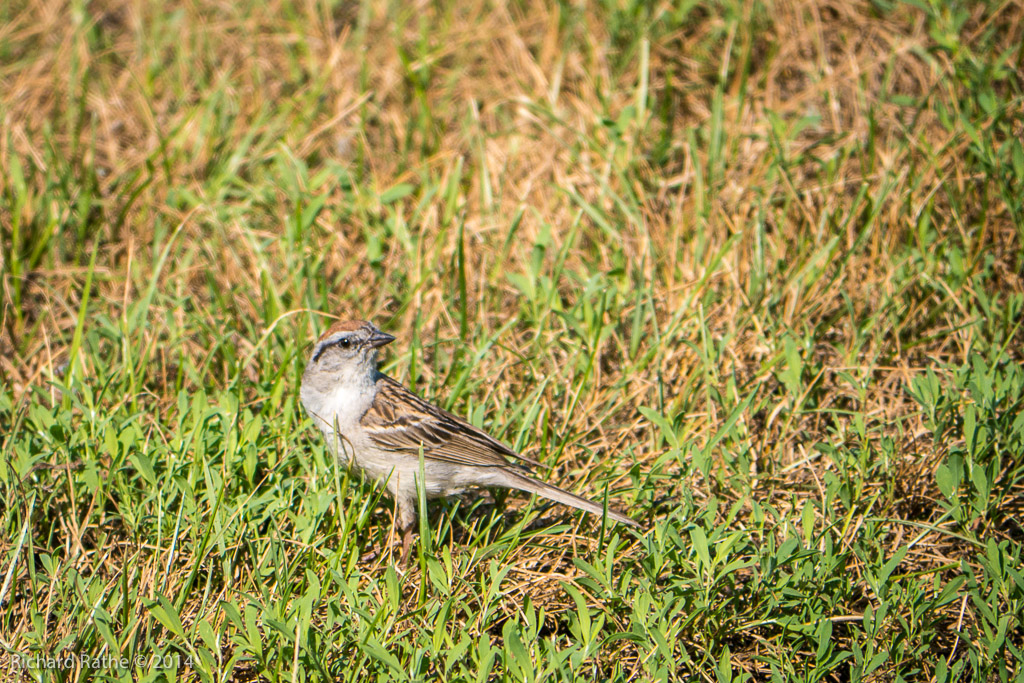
x: 406, y: 546
x: 405, y: 519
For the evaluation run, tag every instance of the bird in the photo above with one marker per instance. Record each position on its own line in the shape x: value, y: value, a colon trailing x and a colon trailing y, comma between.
x: 383, y: 429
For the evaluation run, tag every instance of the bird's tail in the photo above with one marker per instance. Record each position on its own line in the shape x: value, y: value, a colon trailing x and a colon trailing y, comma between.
x: 525, y: 483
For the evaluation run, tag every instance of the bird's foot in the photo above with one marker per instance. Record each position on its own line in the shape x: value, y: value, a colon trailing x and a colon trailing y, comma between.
x: 406, y: 547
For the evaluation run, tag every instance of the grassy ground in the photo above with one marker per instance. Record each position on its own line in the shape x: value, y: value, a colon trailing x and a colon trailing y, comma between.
x: 750, y: 271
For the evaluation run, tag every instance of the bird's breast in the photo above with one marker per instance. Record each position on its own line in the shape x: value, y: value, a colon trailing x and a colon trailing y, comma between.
x: 343, y: 407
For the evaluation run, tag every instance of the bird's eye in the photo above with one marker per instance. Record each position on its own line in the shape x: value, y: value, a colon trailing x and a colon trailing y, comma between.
x: 344, y: 342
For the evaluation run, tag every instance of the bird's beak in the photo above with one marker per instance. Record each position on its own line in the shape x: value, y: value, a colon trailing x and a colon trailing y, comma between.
x: 379, y: 339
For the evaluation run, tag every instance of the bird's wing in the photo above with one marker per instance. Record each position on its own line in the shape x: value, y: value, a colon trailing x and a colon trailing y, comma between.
x: 398, y: 420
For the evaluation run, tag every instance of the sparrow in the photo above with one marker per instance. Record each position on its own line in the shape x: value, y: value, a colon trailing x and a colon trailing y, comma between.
x: 382, y: 429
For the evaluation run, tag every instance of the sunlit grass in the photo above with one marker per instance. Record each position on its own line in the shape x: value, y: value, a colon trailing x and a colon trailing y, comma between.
x: 750, y: 273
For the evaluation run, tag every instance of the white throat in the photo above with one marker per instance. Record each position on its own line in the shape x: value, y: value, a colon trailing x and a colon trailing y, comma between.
x: 341, y: 403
